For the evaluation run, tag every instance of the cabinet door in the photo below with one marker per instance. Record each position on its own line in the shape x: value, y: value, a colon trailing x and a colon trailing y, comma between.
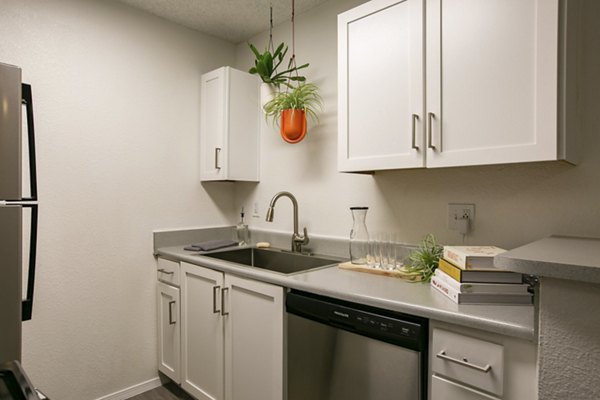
x: 442, y: 389
x: 380, y: 86
x: 213, y: 151
x: 202, y: 332
x: 492, y: 81
x: 254, y: 343
x: 169, y: 330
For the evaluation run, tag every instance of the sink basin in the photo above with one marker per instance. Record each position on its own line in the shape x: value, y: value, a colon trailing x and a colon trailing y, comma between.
x: 273, y: 260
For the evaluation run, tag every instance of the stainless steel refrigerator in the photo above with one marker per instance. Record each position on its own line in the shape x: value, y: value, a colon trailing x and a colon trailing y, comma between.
x: 18, y: 210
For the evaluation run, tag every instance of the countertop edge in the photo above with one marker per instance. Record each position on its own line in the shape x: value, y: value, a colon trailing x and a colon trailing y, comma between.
x: 292, y: 282
x: 561, y: 257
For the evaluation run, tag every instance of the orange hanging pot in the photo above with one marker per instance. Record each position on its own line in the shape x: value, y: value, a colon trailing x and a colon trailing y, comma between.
x: 293, y: 125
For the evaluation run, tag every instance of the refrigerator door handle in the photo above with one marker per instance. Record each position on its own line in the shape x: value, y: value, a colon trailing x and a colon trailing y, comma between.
x: 27, y: 100
x: 27, y: 305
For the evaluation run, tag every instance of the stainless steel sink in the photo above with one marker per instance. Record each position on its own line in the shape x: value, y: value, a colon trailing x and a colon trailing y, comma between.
x: 275, y: 260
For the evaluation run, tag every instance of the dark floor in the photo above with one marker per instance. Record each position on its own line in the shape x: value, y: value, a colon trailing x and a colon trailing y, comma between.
x: 168, y: 391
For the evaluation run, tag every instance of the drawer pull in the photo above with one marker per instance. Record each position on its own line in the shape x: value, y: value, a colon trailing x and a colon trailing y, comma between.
x: 215, y: 290
x: 430, y: 118
x: 171, y: 320
x: 164, y: 271
x: 415, y: 118
x: 464, y: 362
x: 223, y: 292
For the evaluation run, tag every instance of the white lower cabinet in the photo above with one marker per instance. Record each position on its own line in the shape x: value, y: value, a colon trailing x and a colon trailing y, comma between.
x: 232, y: 336
x: 443, y: 389
x: 202, y: 332
x: 470, y: 364
x: 169, y: 329
x: 169, y: 325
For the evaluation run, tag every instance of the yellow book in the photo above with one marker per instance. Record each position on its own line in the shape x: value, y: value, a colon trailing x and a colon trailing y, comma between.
x: 479, y: 276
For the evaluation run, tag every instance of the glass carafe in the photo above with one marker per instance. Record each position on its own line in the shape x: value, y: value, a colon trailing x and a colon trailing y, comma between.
x: 359, y: 236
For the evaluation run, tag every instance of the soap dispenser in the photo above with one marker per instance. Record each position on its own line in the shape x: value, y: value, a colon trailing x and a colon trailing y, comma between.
x: 242, y: 231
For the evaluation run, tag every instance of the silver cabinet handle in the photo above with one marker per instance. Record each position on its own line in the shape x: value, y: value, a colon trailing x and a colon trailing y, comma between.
x: 223, y: 301
x: 164, y: 271
x: 430, y: 117
x: 171, y: 322
x: 215, y: 290
x: 415, y: 118
x: 464, y: 362
x: 217, y: 152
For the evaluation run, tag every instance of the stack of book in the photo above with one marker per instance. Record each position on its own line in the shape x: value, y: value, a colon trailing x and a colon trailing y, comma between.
x: 466, y: 275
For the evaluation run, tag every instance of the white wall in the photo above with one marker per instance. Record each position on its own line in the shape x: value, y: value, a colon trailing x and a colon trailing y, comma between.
x: 515, y: 204
x: 116, y: 97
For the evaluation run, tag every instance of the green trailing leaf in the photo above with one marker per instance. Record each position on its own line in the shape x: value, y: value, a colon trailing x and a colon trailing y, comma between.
x: 255, y: 51
x: 304, y: 97
x: 425, y: 258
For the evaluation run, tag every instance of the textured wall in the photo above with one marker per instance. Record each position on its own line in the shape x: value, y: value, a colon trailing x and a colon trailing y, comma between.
x: 116, y: 95
x: 569, y: 352
x: 515, y: 204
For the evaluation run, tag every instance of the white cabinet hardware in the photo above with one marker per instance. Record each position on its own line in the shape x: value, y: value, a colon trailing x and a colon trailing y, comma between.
x: 464, y: 362
x: 164, y: 271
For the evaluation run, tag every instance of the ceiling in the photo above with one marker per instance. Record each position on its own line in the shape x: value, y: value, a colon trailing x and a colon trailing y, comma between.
x: 232, y: 20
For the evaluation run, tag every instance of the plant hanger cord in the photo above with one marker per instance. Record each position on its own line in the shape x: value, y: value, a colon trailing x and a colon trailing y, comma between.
x: 271, y: 47
x: 293, y: 59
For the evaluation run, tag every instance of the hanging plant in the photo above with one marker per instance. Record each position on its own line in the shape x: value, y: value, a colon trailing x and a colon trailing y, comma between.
x: 266, y: 64
x: 289, y: 109
x: 300, y: 99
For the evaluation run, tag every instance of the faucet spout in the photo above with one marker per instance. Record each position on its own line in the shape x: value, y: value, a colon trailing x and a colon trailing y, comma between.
x: 297, y: 239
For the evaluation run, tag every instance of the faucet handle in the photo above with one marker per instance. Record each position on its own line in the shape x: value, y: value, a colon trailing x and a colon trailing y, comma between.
x: 305, y: 238
x: 299, y: 241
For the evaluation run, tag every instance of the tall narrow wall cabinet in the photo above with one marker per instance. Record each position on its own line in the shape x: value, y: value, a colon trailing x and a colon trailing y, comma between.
x: 229, y: 126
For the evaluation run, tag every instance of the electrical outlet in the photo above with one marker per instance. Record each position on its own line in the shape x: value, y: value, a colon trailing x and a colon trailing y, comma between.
x: 255, y: 213
x: 457, y: 213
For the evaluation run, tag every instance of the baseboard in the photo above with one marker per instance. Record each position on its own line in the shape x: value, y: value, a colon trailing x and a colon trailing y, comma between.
x: 133, y: 390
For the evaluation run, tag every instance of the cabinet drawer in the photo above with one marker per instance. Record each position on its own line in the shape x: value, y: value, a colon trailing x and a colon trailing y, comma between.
x: 442, y: 389
x: 168, y: 271
x: 472, y: 361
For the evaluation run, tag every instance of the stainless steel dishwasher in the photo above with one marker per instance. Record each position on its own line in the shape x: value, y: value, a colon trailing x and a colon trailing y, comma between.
x: 339, y: 350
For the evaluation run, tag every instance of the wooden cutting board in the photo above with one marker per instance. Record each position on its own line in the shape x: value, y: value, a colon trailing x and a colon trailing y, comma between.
x: 396, y: 273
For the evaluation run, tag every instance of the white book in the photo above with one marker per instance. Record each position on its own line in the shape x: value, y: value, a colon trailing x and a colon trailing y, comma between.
x: 467, y: 257
x: 479, y: 298
x: 481, y: 287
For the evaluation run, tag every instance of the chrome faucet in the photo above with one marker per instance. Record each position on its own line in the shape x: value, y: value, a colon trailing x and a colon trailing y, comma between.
x: 297, y: 240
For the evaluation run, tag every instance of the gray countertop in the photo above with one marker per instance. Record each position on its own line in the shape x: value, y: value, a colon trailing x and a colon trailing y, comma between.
x: 380, y: 291
x: 562, y: 257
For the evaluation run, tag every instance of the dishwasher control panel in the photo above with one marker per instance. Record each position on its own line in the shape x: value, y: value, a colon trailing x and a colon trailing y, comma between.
x: 389, y: 326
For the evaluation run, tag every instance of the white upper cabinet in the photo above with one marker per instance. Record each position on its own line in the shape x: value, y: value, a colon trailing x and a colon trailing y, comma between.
x: 380, y: 86
x: 229, y: 126
x: 492, y: 81
x: 492, y: 89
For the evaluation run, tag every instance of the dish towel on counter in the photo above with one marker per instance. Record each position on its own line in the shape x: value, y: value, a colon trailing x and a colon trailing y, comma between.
x: 211, y: 245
